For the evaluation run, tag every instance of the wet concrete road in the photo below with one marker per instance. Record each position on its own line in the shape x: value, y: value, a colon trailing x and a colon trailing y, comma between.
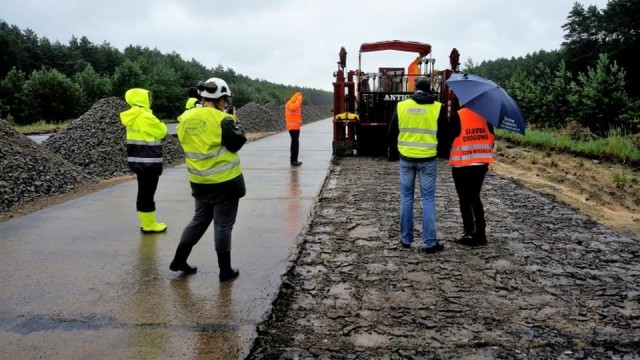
x: 80, y: 281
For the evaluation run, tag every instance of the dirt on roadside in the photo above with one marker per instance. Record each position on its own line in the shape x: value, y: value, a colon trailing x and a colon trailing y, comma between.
x: 607, y: 193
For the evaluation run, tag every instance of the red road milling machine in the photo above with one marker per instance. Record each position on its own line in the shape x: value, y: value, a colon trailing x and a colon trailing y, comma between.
x: 364, y: 102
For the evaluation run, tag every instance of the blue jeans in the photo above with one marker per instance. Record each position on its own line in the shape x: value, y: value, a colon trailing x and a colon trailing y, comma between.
x: 426, y: 172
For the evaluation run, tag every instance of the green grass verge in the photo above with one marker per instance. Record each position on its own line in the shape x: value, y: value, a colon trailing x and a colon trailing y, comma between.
x: 616, y: 147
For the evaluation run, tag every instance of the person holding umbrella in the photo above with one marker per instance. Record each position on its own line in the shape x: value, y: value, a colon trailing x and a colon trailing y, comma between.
x: 472, y: 142
x: 484, y: 105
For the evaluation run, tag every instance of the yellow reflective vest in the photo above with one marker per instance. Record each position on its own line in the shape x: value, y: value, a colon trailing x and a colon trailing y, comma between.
x: 191, y: 103
x: 418, y: 125
x: 144, y: 132
x: 200, y: 134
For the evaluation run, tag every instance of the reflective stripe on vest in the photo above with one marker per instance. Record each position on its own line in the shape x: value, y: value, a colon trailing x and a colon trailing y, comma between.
x: 208, y: 161
x: 418, y: 124
x: 143, y: 151
x: 144, y: 160
x: 475, y: 142
x: 214, y: 170
x: 142, y: 142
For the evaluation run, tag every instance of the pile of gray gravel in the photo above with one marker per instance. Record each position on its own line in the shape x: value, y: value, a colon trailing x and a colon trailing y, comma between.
x: 270, y: 117
x: 28, y: 171
x: 93, y: 147
x: 96, y: 141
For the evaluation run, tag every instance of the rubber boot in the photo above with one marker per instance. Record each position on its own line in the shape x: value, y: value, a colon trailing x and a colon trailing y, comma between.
x: 179, y: 262
x: 148, y: 224
x: 224, y: 263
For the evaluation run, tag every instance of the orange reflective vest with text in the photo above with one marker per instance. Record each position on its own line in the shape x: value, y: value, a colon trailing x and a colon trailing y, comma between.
x: 475, y: 143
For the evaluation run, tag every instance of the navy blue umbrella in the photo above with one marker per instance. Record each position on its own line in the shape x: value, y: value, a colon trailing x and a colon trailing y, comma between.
x: 489, y: 100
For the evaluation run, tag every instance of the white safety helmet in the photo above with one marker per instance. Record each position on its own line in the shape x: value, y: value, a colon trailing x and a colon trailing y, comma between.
x: 215, y: 88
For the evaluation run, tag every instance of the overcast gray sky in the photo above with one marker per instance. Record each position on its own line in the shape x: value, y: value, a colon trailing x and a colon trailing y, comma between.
x: 296, y: 42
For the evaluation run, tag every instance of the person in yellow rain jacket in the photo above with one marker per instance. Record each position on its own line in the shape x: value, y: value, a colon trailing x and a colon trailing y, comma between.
x: 472, y: 142
x: 144, y: 154
x: 211, y: 140
x: 293, y: 121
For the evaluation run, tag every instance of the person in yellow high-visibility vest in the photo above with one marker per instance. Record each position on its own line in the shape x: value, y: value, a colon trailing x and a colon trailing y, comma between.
x: 415, y: 131
x: 144, y: 154
x: 211, y: 139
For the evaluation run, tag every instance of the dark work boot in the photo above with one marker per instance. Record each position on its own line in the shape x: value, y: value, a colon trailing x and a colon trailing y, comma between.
x: 179, y: 262
x: 480, y: 238
x: 224, y: 263
x: 296, y: 163
x: 467, y: 239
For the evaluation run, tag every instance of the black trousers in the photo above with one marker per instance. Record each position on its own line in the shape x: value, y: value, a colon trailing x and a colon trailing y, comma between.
x: 295, y: 144
x: 468, y: 181
x: 147, y: 185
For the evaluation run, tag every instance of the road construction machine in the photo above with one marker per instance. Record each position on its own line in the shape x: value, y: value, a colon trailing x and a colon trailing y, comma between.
x: 364, y: 102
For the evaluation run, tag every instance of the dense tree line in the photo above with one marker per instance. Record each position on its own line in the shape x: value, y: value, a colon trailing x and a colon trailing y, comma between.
x: 593, y: 79
x: 44, y: 80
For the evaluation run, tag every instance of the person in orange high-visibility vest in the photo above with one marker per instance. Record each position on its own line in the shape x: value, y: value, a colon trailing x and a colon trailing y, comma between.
x: 293, y: 121
x: 413, y: 71
x: 470, y: 155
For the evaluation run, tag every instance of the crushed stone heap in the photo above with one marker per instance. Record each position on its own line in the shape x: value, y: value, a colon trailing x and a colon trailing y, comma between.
x: 257, y: 118
x: 29, y: 171
x: 270, y: 117
x: 96, y: 141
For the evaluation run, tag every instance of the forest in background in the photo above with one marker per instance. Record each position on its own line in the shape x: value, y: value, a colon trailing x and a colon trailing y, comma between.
x: 51, y: 81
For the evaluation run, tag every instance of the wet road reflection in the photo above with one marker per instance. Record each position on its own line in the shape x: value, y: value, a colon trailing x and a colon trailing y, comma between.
x: 293, y: 205
x: 148, y: 337
x: 212, y: 321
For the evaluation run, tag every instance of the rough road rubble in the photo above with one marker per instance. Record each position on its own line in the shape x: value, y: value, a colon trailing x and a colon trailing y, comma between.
x: 550, y: 284
x: 93, y: 148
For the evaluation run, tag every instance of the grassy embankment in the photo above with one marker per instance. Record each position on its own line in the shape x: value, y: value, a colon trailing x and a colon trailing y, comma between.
x: 616, y: 147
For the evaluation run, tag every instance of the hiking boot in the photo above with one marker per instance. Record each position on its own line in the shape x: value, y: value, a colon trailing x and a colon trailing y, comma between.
x: 405, y: 245
x: 434, y: 249
x: 480, y: 239
x: 466, y: 240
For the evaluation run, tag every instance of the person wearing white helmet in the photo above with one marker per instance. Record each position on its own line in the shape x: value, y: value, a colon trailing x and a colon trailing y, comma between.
x: 211, y: 139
